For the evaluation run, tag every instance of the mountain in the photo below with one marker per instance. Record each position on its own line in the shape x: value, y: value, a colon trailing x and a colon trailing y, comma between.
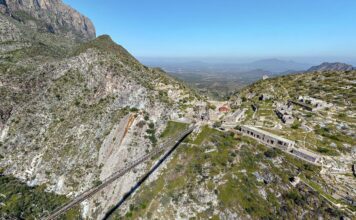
x: 278, y: 66
x: 274, y: 66
x: 49, y: 16
x: 332, y: 67
x: 73, y: 110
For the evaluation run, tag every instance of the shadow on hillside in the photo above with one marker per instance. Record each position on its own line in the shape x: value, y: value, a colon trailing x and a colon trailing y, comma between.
x: 141, y: 181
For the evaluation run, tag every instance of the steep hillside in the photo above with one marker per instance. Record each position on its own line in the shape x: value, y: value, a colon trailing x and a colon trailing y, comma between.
x: 222, y: 174
x: 64, y: 106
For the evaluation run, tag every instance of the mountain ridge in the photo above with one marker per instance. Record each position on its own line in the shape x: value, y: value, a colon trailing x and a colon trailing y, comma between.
x: 337, y: 66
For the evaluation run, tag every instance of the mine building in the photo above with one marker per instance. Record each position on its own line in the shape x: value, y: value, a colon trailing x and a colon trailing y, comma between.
x: 284, y: 112
x: 265, y: 97
x: 311, y: 104
x: 267, y: 138
x: 306, y: 155
x: 284, y: 144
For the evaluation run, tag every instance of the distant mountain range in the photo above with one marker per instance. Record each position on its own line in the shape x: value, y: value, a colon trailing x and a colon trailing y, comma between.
x: 278, y: 66
x: 332, y: 67
x: 270, y: 66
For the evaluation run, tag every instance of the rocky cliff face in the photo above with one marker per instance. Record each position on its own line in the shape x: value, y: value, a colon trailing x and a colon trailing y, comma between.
x: 49, y: 15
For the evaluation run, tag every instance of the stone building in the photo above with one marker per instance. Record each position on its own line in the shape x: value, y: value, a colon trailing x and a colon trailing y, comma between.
x: 284, y: 112
x: 305, y: 154
x: 284, y: 144
x: 312, y: 104
x: 264, y: 97
x: 267, y: 138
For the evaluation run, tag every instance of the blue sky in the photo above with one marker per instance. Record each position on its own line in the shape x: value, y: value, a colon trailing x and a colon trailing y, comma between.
x: 299, y: 29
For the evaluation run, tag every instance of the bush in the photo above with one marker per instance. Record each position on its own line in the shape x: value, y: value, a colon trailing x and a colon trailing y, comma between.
x: 97, y: 182
x: 151, y: 125
x: 24, y: 202
x: 270, y: 153
x: 296, y: 197
x: 295, y: 125
x: 217, y: 124
x: 133, y: 109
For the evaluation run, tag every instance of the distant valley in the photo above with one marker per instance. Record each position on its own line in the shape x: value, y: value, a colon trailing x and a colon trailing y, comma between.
x: 219, y: 80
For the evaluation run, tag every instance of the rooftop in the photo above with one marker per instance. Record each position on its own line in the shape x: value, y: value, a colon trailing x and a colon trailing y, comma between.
x: 267, y: 133
x: 307, y: 152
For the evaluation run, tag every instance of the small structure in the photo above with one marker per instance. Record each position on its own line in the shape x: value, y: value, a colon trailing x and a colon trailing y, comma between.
x: 264, y: 77
x: 312, y: 104
x: 233, y: 118
x: 305, y: 154
x: 224, y: 109
x: 264, y: 97
x: 267, y: 138
x: 284, y: 112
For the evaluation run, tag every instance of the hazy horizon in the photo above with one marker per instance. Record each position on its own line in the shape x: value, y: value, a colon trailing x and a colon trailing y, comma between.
x: 233, y: 29
x: 243, y: 60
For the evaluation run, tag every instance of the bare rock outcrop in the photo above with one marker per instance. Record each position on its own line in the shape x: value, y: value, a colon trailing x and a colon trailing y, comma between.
x: 51, y: 16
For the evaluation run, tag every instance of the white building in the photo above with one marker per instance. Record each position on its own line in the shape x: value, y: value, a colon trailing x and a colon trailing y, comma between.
x: 284, y: 144
x: 306, y: 155
x: 267, y: 138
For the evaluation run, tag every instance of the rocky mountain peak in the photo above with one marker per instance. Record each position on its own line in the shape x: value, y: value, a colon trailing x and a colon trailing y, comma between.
x: 50, y: 15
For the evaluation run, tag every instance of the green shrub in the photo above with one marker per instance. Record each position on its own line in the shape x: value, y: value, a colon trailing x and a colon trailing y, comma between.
x: 217, y: 124
x: 270, y: 153
x: 295, y: 125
